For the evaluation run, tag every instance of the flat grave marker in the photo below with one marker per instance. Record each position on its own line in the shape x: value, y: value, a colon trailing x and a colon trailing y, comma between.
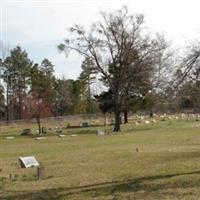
x: 40, y: 138
x: 10, y: 137
x: 61, y: 136
x: 74, y: 135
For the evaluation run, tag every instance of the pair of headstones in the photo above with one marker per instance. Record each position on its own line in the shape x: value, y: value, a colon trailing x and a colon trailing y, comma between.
x: 30, y: 161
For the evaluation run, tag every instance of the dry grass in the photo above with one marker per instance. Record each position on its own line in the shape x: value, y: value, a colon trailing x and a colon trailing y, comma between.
x: 167, y: 165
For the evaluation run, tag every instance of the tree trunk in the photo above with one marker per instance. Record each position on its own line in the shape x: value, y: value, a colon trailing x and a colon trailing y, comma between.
x: 7, y: 115
x: 117, y: 112
x: 7, y: 108
x: 39, y: 125
x: 125, y: 117
x: 117, y: 121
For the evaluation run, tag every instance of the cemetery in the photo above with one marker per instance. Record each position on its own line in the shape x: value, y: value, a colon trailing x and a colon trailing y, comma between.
x: 99, y: 100
x: 88, y: 162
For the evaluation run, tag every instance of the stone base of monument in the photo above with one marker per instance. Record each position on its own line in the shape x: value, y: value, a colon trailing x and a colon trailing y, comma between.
x: 40, y: 172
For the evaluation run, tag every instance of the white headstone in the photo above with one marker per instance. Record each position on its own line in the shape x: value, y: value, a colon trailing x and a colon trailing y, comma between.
x: 29, y: 161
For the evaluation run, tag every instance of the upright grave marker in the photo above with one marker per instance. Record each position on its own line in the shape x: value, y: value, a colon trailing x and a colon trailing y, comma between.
x: 29, y: 161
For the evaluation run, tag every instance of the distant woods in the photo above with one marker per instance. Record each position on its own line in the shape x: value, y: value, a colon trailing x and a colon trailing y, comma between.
x: 31, y: 90
x: 138, y: 69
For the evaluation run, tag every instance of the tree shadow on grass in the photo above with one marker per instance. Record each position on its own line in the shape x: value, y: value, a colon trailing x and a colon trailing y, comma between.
x: 105, y: 188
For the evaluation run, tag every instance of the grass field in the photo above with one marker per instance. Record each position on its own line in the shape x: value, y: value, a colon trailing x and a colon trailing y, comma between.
x: 87, y: 167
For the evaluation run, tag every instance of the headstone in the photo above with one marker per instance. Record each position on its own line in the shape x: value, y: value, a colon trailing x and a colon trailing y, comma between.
x: 101, y: 132
x: 26, y: 131
x: 58, y: 131
x: 44, y: 130
x: 183, y: 115
x: 29, y: 161
x: 162, y: 118
x: 84, y: 124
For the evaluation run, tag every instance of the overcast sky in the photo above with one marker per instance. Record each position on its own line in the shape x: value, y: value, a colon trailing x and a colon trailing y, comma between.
x: 39, y: 26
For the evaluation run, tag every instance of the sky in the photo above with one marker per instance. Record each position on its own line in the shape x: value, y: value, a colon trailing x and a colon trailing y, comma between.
x: 39, y: 26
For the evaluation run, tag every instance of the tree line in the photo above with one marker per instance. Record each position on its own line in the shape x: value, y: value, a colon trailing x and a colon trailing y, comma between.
x: 138, y: 68
x: 22, y: 79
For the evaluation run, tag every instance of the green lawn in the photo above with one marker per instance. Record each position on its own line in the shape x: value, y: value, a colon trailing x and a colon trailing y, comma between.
x: 167, y: 165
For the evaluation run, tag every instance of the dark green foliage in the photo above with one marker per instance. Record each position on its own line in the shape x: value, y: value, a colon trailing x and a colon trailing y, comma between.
x: 16, y: 76
x: 106, y: 101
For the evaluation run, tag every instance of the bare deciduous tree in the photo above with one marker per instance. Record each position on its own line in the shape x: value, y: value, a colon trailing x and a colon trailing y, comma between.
x: 120, y: 48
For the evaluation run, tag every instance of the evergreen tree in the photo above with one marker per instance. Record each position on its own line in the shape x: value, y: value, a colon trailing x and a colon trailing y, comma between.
x: 16, y: 75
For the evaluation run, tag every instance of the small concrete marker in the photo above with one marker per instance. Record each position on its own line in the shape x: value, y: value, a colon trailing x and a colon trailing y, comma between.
x: 10, y: 137
x: 61, y: 136
x: 74, y: 135
x: 40, y: 138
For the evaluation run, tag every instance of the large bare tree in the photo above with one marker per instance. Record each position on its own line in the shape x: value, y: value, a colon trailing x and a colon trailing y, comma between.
x: 120, y: 48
